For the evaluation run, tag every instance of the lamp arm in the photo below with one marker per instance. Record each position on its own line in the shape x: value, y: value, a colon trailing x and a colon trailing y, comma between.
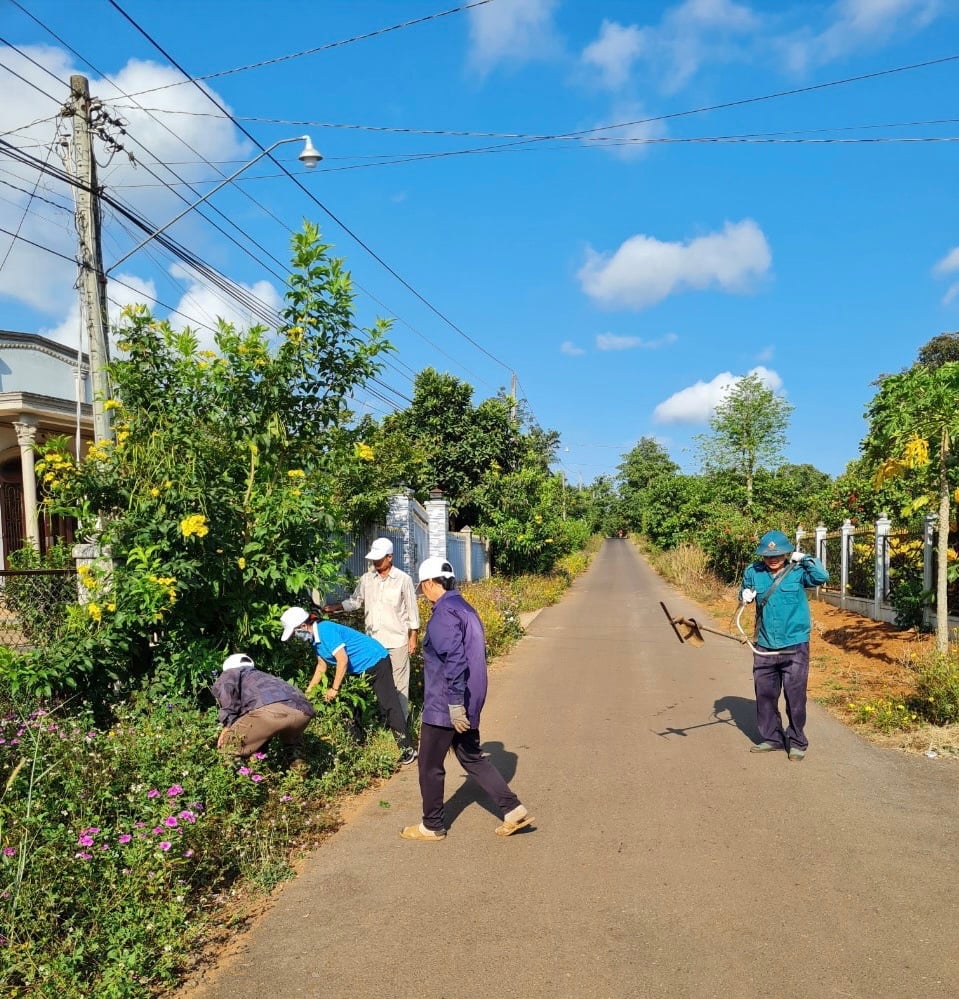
x: 189, y: 208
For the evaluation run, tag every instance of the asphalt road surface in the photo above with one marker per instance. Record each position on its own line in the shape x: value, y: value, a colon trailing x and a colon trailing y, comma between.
x: 666, y: 860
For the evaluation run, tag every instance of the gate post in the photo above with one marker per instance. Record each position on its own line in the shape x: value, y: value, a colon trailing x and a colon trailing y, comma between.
x: 846, y: 532
x: 882, y: 565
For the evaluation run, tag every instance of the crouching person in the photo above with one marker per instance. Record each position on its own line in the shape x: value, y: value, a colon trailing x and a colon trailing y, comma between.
x: 255, y: 706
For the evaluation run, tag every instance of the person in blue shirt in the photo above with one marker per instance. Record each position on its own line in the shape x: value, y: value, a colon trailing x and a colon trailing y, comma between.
x: 455, y: 682
x: 351, y: 652
x: 776, y: 583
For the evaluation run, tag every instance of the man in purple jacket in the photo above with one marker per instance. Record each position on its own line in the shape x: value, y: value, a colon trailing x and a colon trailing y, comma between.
x: 454, y: 674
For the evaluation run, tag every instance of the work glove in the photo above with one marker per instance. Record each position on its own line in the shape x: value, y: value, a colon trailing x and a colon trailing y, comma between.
x: 458, y: 717
x: 797, y: 556
x: 748, y: 596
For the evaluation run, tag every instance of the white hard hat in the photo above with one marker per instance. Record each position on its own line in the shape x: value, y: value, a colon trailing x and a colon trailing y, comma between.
x: 291, y: 619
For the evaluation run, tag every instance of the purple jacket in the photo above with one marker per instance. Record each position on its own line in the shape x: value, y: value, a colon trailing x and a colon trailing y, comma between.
x: 240, y: 691
x: 454, y: 661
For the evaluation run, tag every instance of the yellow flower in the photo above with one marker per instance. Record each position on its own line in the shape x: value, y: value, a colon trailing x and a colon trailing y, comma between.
x: 364, y: 452
x: 111, y: 607
x: 296, y: 473
x: 154, y: 491
x: 194, y: 524
x: 241, y: 562
x: 110, y: 404
x: 95, y: 611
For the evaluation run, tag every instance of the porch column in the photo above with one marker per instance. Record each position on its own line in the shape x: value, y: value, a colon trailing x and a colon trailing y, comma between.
x: 26, y: 428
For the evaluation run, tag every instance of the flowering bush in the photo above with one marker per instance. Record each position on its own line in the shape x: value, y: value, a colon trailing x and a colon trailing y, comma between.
x: 215, y: 502
x: 118, y: 844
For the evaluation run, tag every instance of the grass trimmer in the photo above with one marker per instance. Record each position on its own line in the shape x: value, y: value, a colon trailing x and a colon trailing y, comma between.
x: 690, y: 632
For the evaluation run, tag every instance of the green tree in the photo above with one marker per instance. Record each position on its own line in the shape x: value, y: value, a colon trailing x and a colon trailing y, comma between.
x: 217, y: 499
x: 637, y: 474
x: 913, y: 420
x: 748, y: 431
x: 940, y: 350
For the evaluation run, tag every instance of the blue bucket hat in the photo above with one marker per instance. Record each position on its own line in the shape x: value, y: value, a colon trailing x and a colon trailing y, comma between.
x: 774, y: 543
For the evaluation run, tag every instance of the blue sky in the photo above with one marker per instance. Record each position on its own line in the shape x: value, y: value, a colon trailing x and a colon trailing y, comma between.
x: 626, y: 275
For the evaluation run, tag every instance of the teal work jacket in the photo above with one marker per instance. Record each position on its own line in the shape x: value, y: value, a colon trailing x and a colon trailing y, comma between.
x: 782, y: 614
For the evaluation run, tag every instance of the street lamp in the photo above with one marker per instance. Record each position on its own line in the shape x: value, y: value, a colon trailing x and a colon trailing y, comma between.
x: 99, y: 343
x: 309, y: 157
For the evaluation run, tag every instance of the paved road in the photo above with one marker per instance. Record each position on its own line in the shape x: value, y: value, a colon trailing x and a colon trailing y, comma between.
x: 667, y: 860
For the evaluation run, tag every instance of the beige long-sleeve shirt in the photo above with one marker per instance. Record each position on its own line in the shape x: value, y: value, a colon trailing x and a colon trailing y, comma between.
x: 390, y: 606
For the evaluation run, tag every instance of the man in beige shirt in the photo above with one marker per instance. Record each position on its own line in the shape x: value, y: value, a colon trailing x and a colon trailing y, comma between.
x: 388, y: 598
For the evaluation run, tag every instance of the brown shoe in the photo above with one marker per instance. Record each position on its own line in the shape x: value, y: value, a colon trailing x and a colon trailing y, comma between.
x: 515, y: 820
x: 424, y: 835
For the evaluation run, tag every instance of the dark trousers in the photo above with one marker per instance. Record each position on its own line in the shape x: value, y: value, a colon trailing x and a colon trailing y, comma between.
x: 391, y: 710
x: 435, y: 743
x: 786, y: 672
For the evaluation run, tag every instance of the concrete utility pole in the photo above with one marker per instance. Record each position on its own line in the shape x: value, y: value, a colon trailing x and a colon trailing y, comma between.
x: 514, y: 392
x: 93, y: 284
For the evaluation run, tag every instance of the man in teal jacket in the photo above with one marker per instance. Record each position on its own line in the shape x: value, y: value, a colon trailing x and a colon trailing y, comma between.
x: 777, y: 583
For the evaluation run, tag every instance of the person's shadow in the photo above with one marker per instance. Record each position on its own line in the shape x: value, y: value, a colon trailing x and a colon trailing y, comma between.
x: 741, y: 712
x: 469, y: 792
x: 737, y: 711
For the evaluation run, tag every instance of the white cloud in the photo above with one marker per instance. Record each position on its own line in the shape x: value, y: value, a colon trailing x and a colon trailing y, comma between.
x: 695, y: 33
x: 513, y: 31
x: 855, y: 24
x: 570, y: 349
x: 203, y: 304
x: 696, y: 403
x: 645, y: 270
x: 766, y: 354
x: 199, y: 306
x: 44, y: 280
x: 132, y: 292
x: 610, y: 341
x: 628, y: 141
x: 614, y: 52
x: 948, y: 264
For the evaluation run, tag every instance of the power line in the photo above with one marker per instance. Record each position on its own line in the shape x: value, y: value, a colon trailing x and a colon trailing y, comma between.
x: 262, y: 207
x: 313, y: 51
x: 311, y: 196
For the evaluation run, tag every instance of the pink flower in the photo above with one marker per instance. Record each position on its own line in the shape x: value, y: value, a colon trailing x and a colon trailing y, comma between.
x: 170, y: 822
x: 174, y: 790
x: 244, y: 771
x: 286, y: 797
x: 187, y: 815
x: 187, y: 853
x: 9, y: 851
x: 85, y: 841
x: 83, y: 856
x: 157, y: 830
x: 164, y: 846
x: 259, y: 756
x: 256, y: 778
x: 153, y: 794
x: 125, y: 838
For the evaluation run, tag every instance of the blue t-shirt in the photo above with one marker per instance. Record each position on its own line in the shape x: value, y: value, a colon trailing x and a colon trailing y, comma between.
x: 362, y: 652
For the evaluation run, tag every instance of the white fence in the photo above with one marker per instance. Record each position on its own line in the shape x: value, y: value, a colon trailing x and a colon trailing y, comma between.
x: 859, y: 564
x: 418, y: 532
